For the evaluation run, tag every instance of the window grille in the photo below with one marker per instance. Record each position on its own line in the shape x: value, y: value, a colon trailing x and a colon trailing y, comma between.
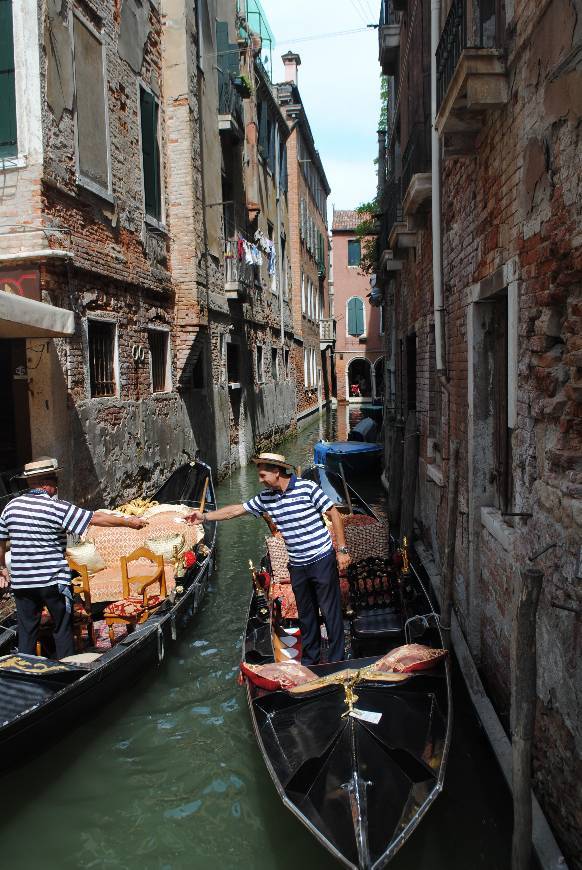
x: 101, y: 337
x: 158, y: 342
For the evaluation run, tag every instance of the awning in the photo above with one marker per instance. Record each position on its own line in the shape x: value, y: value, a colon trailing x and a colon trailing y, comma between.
x: 27, y: 318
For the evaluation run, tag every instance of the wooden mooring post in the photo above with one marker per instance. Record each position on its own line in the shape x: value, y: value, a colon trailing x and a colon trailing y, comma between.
x: 450, y: 542
x: 523, y: 708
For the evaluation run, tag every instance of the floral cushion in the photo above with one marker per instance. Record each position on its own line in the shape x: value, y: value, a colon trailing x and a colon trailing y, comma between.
x: 132, y: 607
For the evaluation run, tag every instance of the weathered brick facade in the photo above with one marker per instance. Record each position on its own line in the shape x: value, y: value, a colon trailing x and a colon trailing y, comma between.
x: 512, y: 257
x: 137, y: 228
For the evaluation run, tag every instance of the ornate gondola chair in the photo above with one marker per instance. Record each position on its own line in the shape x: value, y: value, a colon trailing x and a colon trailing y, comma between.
x: 82, y: 611
x: 135, y: 607
x: 375, y: 602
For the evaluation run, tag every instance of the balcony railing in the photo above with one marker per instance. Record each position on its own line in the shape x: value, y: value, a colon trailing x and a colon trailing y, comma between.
x: 229, y: 99
x: 417, y: 154
x: 239, y: 276
x: 388, y: 15
x: 393, y: 206
x: 483, y: 30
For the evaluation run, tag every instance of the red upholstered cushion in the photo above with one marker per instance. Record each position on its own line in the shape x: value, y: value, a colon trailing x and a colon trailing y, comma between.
x: 278, y: 675
x: 410, y: 657
x: 128, y: 608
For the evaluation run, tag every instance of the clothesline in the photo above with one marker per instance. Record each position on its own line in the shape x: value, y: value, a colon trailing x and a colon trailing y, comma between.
x: 252, y: 254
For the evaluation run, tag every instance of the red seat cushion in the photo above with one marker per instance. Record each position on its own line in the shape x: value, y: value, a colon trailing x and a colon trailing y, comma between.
x: 132, y: 607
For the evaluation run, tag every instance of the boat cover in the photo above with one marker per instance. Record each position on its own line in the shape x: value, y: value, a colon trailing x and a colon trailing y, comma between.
x: 324, y: 449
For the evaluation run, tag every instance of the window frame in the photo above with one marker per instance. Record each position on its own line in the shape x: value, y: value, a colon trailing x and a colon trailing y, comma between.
x: 355, y: 265
x: 82, y: 180
x: 163, y: 330
x: 260, y: 363
x: 94, y: 317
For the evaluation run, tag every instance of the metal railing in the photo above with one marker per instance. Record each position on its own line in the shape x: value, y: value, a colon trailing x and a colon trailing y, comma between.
x: 392, y: 207
x: 229, y: 99
x: 236, y: 271
x: 486, y: 32
x: 417, y: 154
x: 388, y: 15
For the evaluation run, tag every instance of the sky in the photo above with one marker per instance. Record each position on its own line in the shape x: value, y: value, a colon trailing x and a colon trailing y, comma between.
x: 339, y: 81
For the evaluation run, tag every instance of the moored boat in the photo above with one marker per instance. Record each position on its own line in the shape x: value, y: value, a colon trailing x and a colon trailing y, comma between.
x: 40, y: 697
x: 353, y: 456
x: 357, y: 750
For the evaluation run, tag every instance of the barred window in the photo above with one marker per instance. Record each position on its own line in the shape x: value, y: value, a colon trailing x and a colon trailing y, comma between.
x: 102, y: 338
x: 158, y: 342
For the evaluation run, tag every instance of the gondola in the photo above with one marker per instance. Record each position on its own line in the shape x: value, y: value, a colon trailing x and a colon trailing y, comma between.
x: 358, y: 756
x: 354, y: 456
x: 40, y: 697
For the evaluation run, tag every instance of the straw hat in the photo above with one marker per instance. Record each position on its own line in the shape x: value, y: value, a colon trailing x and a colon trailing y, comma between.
x: 273, y: 459
x: 46, y: 466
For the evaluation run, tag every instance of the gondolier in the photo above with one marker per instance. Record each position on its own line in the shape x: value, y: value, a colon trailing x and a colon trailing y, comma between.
x: 296, y: 507
x: 36, y: 524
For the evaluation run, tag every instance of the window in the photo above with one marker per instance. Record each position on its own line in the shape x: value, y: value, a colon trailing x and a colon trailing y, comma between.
x: 381, y: 326
x: 232, y: 363
x: 284, y: 268
x: 160, y: 361
x: 356, y: 316
x: 286, y: 362
x: 102, y: 342
x: 222, y: 357
x: 354, y: 252
x: 502, y: 455
x: 305, y: 368
x: 411, y: 372
x: 302, y: 292
x: 435, y: 405
x: 8, y: 137
x: 275, y: 363
x: 260, y: 364
x: 150, y: 154
x: 198, y: 378
x: 91, y: 112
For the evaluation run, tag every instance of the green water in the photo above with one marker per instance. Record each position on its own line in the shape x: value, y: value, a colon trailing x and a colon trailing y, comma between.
x: 169, y: 777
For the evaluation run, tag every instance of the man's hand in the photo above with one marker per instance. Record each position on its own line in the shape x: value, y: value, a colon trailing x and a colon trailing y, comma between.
x: 343, y: 561
x: 195, y: 518
x: 135, y: 523
x: 4, y: 578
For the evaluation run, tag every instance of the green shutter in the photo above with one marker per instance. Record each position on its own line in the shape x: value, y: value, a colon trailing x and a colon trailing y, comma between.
x: 355, y: 316
x: 354, y: 252
x: 263, y: 135
x: 150, y: 154
x: 8, y: 139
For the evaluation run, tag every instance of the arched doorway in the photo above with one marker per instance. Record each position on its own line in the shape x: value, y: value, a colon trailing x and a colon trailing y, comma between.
x: 379, y: 378
x: 360, y: 379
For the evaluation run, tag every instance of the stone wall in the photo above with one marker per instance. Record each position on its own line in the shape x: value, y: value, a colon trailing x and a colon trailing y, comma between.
x: 512, y: 231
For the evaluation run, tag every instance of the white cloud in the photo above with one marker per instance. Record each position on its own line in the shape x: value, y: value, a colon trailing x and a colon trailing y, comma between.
x: 339, y: 80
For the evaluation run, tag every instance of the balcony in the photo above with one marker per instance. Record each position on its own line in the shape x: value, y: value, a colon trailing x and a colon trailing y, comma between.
x: 471, y: 71
x: 239, y: 277
x: 326, y: 332
x: 399, y: 235
x: 416, y: 169
x: 230, y: 108
x: 389, y: 38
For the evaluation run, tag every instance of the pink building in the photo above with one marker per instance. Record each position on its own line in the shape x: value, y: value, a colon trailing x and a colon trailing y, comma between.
x: 359, y: 348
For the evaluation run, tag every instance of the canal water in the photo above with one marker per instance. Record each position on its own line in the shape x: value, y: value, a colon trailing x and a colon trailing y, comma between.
x: 169, y: 777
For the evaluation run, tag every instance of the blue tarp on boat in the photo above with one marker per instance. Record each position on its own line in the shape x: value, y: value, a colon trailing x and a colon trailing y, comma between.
x: 344, y: 449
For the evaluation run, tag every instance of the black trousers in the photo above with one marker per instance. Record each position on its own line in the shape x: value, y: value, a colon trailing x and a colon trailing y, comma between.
x: 316, y: 587
x: 29, y: 604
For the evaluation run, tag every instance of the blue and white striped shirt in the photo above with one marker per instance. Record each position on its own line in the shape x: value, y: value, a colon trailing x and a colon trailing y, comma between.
x: 37, y: 527
x: 297, y: 513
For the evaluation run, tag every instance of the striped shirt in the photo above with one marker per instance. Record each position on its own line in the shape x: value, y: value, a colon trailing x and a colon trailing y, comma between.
x: 37, y: 527
x: 297, y: 513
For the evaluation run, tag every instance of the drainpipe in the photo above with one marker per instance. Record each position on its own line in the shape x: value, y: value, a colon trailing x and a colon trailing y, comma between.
x: 437, y: 266
x: 280, y: 264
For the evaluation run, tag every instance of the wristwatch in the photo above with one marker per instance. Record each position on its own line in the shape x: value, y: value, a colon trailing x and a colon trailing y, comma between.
x: 343, y: 550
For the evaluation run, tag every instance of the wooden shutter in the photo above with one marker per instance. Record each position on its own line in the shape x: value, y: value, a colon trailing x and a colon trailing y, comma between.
x: 8, y: 138
x: 150, y: 154
x: 355, y: 316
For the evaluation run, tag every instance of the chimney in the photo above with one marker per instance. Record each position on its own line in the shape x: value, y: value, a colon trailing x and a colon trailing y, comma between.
x: 291, y: 61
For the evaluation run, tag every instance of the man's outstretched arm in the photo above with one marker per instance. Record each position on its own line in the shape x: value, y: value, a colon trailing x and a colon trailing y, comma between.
x: 229, y: 512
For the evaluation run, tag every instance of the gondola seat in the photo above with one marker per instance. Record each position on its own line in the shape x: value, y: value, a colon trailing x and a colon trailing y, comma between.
x: 378, y: 623
x: 135, y: 606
